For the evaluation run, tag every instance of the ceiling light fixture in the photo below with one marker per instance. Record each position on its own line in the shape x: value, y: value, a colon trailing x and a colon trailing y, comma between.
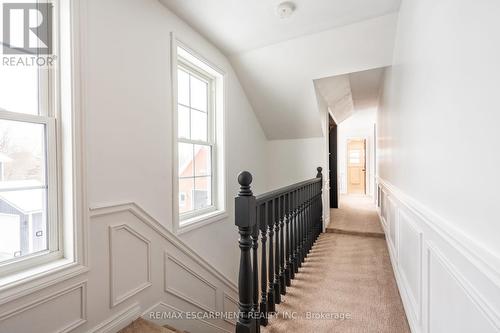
x: 285, y: 9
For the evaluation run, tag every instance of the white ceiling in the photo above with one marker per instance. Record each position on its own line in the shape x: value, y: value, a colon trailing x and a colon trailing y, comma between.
x: 241, y: 25
x: 350, y: 93
x: 279, y: 79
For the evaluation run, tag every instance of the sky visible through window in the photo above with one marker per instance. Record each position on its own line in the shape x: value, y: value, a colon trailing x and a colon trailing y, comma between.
x: 23, y: 192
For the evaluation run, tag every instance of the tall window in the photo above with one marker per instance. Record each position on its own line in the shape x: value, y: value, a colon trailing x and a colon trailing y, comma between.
x: 197, y: 138
x: 30, y: 136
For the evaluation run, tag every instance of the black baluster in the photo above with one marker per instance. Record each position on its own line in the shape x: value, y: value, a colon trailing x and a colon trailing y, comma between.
x: 299, y: 228
x: 294, y: 234
x: 255, y: 271
x: 263, y: 265
x: 270, y: 224
x: 277, y: 256
x: 282, y: 245
x: 288, y: 274
x: 245, y: 221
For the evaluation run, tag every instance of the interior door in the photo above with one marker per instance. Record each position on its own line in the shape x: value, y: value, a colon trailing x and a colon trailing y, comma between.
x: 334, y: 200
x: 356, y: 166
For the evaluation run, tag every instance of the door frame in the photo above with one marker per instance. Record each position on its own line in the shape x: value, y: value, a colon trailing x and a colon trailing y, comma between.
x: 354, y: 138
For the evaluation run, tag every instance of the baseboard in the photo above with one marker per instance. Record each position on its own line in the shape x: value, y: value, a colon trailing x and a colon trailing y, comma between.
x: 118, y: 321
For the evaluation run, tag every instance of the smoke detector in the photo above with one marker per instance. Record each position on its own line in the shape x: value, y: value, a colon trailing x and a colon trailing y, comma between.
x: 285, y: 9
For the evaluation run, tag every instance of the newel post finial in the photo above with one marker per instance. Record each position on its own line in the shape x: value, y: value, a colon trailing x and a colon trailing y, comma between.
x: 319, y: 175
x: 245, y: 179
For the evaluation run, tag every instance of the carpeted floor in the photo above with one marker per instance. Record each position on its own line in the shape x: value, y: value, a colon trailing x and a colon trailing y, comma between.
x: 347, y: 284
x: 356, y: 215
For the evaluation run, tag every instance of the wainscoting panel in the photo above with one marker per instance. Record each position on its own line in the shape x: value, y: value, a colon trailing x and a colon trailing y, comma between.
x: 392, y: 223
x: 230, y: 305
x: 151, y: 269
x: 451, y: 308
x: 410, y: 261
x: 130, y: 263
x: 447, y: 282
x: 187, y: 284
x: 62, y: 311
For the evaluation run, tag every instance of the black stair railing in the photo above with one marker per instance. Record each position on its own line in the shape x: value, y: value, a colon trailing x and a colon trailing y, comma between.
x: 285, y: 223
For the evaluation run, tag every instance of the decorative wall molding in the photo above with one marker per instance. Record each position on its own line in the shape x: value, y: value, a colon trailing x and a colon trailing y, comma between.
x: 154, y: 224
x: 82, y: 286
x: 226, y: 297
x: 171, y: 290
x: 485, y: 260
x: 416, y: 303
x: 170, y: 308
x: 118, y: 321
x: 431, y: 237
x: 114, y: 298
x: 478, y: 300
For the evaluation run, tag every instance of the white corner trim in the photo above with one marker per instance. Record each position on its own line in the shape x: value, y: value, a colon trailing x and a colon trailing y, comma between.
x: 118, y: 321
x: 154, y: 224
x: 117, y: 299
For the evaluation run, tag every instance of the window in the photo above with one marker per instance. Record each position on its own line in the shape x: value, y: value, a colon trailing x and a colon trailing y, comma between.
x: 33, y: 144
x: 199, y: 138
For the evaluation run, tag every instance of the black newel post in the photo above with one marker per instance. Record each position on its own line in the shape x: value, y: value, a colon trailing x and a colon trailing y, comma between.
x: 320, y: 201
x: 245, y: 221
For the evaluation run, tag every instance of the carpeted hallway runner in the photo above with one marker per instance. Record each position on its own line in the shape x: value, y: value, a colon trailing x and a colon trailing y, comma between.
x: 346, y: 285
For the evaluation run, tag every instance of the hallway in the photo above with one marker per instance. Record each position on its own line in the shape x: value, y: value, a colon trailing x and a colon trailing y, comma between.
x: 356, y: 216
x: 346, y: 277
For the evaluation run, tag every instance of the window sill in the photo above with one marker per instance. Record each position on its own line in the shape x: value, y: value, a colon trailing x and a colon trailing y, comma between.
x: 30, y: 280
x: 200, y: 221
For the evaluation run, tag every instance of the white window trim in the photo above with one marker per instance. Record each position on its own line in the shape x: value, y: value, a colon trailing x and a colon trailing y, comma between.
x: 217, y: 212
x: 71, y: 259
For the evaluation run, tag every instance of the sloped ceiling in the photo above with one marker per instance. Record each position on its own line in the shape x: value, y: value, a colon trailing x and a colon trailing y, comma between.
x: 277, y: 60
x: 279, y: 79
x: 350, y: 93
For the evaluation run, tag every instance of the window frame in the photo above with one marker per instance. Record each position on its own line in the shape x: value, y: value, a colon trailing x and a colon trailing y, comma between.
x: 63, y: 99
x: 211, y: 142
x: 49, y: 111
x: 216, y: 132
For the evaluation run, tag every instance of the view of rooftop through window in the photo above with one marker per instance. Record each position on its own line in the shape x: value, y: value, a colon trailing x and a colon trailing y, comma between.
x: 194, y: 146
x: 23, y: 183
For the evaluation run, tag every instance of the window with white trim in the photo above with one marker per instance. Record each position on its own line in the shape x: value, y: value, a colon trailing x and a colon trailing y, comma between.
x: 199, y: 134
x: 31, y: 145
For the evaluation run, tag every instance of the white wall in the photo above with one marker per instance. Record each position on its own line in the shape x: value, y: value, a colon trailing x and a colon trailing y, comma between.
x: 135, y: 263
x: 292, y: 161
x: 358, y: 126
x: 129, y: 115
x: 438, y: 161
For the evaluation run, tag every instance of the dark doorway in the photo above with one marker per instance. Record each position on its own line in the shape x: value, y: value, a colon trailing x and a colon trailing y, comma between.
x: 332, y: 148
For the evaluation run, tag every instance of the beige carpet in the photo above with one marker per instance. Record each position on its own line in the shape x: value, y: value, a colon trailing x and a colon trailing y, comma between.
x: 344, y: 276
x: 356, y: 216
x: 143, y: 326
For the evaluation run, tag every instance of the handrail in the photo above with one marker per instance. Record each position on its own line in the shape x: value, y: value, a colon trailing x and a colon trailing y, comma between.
x: 285, y: 222
x: 280, y: 191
